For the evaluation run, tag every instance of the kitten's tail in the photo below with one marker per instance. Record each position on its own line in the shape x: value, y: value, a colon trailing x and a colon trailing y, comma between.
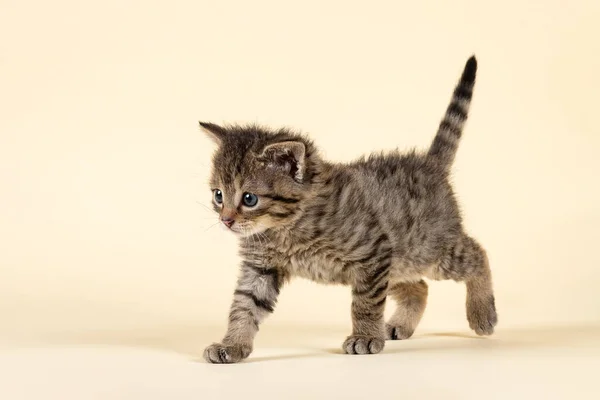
x: 446, y: 140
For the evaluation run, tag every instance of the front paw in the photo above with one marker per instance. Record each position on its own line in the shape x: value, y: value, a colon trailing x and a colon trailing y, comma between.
x: 358, y: 344
x: 218, y: 353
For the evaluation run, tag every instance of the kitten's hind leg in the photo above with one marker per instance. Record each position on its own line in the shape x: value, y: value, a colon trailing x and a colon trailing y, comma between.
x: 411, y: 299
x: 467, y: 261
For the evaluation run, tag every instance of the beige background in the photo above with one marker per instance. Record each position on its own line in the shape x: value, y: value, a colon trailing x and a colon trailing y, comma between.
x: 103, y: 166
x: 112, y: 268
x: 103, y: 170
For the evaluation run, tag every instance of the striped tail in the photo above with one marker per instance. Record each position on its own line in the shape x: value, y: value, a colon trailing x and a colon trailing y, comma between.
x: 446, y: 140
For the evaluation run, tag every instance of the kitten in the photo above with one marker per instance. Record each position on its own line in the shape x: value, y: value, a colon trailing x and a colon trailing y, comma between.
x: 379, y: 224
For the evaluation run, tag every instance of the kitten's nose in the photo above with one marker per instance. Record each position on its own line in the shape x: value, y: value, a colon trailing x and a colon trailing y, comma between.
x: 228, y: 221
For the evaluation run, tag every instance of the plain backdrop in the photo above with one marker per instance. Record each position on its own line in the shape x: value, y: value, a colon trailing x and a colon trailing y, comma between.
x: 103, y: 170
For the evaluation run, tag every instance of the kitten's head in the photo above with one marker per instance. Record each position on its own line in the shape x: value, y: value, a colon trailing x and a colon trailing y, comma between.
x: 259, y: 178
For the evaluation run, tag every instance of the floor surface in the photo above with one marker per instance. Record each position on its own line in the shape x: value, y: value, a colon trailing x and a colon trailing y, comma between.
x: 307, y: 363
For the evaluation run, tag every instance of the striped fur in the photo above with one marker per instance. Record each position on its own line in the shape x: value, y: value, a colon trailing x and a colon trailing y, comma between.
x: 379, y: 224
x: 445, y: 143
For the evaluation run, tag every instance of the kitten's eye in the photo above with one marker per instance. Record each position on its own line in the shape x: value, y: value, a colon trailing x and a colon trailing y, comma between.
x: 249, y: 199
x: 218, y: 196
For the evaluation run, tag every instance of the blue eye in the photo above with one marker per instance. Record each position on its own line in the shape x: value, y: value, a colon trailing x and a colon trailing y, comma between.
x: 249, y: 199
x: 218, y: 196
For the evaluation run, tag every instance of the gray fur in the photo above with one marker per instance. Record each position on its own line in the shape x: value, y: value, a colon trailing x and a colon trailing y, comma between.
x: 379, y: 225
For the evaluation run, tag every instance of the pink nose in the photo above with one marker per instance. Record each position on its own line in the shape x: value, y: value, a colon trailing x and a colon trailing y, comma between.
x: 227, y: 221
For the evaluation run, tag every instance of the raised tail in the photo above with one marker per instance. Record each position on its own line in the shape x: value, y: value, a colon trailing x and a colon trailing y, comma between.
x: 448, y: 135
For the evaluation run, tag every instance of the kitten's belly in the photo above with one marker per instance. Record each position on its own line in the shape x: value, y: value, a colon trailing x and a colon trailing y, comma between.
x: 320, y: 268
x: 329, y: 270
x: 402, y: 272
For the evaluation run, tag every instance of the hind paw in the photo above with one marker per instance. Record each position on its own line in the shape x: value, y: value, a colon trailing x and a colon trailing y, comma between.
x: 482, y: 316
x: 397, y: 332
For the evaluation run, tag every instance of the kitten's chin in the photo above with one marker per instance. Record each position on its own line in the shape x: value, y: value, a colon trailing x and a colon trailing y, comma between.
x: 247, y: 231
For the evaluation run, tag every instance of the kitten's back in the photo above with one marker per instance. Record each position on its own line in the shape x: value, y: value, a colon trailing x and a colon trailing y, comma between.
x: 413, y: 199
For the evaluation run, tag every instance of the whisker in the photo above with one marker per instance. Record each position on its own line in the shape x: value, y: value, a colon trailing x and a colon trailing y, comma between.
x: 254, y: 241
x: 259, y: 239
x: 206, y: 207
x: 211, y: 226
x: 262, y: 237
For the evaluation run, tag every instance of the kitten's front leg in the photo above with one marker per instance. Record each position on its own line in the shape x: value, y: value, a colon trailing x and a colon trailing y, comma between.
x: 368, y: 302
x: 254, y: 299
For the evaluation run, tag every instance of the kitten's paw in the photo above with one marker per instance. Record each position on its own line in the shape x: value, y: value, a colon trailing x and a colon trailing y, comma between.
x: 357, y: 344
x: 218, y: 353
x: 397, y: 332
x: 482, y: 316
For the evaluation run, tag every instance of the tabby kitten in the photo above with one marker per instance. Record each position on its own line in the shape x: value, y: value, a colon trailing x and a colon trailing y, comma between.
x: 379, y: 224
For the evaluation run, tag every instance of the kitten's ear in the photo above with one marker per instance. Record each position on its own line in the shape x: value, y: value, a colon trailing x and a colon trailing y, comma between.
x: 288, y: 156
x: 214, y: 131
